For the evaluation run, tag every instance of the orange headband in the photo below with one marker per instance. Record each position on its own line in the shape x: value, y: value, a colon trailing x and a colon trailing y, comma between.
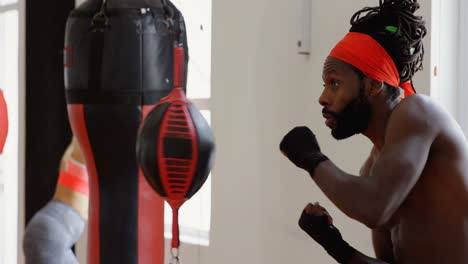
x: 366, y: 54
x: 75, y: 178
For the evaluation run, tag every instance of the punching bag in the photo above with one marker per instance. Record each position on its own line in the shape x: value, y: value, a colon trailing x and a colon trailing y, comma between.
x: 175, y: 149
x: 119, y: 64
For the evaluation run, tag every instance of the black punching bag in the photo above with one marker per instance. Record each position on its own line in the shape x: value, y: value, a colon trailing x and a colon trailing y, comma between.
x: 175, y: 148
x: 118, y: 64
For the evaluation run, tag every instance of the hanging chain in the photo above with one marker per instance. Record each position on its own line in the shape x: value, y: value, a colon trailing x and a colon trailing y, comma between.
x: 174, y: 256
x: 100, y: 21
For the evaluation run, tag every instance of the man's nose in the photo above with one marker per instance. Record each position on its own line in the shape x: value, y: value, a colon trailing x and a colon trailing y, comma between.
x: 324, y: 99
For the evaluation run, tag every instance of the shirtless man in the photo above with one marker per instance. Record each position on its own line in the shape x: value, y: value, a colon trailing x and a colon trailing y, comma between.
x: 413, y: 192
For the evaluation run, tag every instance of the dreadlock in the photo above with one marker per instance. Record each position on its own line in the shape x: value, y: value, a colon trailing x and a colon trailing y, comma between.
x: 395, y: 27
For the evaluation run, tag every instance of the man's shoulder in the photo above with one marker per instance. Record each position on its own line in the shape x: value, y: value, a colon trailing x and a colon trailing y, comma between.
x: 416, y: 113
x: 416, y: 104
x: 417, y: 107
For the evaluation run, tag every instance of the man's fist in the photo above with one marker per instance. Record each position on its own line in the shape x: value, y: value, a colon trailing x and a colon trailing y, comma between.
x: 318, y: 224
x: 301, y: 147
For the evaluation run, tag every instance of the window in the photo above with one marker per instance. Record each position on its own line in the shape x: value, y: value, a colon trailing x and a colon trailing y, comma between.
x: 463, y: 67
x: 9, y: 58
x: 448, y: 58
x: 195, y: 214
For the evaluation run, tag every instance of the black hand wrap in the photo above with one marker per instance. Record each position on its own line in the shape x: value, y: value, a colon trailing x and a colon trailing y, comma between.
x: 327, y: 235
x: 302, y: 149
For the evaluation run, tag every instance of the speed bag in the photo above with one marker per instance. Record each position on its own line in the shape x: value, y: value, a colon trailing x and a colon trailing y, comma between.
x: 175, y: 148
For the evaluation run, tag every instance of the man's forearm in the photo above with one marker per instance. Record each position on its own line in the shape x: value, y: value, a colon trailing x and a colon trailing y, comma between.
x: 355, y: 196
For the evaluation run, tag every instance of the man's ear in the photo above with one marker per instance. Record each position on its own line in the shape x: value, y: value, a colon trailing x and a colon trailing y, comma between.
x: 373, y: 87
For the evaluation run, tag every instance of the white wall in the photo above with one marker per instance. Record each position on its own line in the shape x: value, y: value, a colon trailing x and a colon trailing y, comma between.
x: 422, y: 79
x: 260, y: 90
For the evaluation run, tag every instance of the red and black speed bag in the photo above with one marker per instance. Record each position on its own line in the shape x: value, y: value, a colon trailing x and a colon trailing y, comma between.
x: 175, y: 148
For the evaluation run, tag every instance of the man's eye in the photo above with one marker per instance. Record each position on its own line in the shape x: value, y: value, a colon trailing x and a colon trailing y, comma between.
x: 334, y: 84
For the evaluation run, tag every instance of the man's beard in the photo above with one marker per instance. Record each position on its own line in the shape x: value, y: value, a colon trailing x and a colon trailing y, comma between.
x: 353, y: 119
